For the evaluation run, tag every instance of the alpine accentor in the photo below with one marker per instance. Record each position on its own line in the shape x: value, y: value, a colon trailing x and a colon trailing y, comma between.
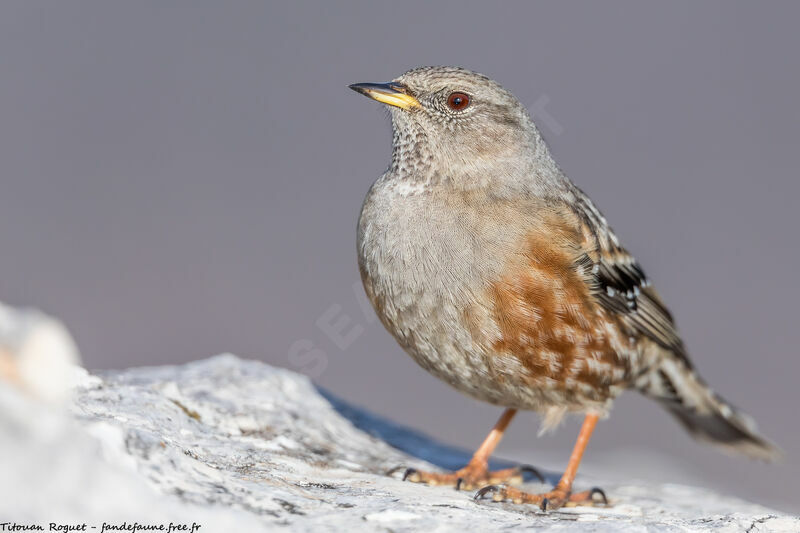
x: 499, y: 276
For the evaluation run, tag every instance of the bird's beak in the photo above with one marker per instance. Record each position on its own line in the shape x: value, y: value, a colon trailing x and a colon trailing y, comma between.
x: 392, y: 93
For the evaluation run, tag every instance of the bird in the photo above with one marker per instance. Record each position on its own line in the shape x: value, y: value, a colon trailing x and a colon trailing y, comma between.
x: 499, y: 276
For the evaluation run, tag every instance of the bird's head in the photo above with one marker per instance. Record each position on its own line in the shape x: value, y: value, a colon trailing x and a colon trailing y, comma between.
x: 454, y: 120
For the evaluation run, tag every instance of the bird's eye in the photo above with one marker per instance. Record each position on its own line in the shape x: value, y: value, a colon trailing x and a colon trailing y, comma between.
x: 458, y: 101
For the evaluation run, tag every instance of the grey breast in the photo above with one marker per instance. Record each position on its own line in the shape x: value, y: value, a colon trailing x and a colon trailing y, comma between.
x: 427, y: 257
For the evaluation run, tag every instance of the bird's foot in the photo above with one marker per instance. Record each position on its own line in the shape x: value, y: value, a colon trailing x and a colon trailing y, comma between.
x: 470, y: 477
x: 548, y: 501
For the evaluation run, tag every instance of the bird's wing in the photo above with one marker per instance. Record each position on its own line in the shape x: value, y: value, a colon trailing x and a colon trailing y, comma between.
x: 621, y: 286
x: 619, y: 283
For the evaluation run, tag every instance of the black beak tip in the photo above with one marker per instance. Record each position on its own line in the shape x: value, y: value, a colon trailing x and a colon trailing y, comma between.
x: 385, y: 88
x: 359, y: 87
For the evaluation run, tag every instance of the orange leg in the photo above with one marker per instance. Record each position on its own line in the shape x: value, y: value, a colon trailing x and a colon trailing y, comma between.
x: 562, y: 493
x: 476, y: 473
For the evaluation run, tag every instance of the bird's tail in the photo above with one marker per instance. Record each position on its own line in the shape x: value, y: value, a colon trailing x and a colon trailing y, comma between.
x: 706, y: 415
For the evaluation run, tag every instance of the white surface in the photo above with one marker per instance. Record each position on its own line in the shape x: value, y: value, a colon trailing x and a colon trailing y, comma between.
x: 238, y: 445
x: 38, y: 353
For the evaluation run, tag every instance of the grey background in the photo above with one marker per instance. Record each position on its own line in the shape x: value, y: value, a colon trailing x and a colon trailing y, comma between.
x: 180, y: 179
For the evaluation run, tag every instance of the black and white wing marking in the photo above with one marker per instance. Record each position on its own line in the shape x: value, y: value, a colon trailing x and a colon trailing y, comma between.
x: 622, y: 287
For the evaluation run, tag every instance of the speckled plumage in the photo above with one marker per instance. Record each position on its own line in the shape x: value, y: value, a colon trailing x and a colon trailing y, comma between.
x: 500, y: 277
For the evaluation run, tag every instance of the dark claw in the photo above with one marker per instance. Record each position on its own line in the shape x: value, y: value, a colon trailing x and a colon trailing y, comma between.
x: 484, y: 491
x: 408, y: 472
x: 533, y: 471
x: 598, y: 490
x: 394, y: 470
x: 543, y: 506
x: 459, y: 481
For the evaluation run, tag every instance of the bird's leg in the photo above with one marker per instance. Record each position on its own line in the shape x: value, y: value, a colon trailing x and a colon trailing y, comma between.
x: 476, y: 473
x: 562, y: 493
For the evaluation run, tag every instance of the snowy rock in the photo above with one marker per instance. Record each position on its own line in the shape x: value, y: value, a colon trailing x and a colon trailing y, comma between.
x: 236, y: 445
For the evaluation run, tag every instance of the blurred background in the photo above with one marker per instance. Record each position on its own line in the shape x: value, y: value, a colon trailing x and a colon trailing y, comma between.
x: 182, y: 179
